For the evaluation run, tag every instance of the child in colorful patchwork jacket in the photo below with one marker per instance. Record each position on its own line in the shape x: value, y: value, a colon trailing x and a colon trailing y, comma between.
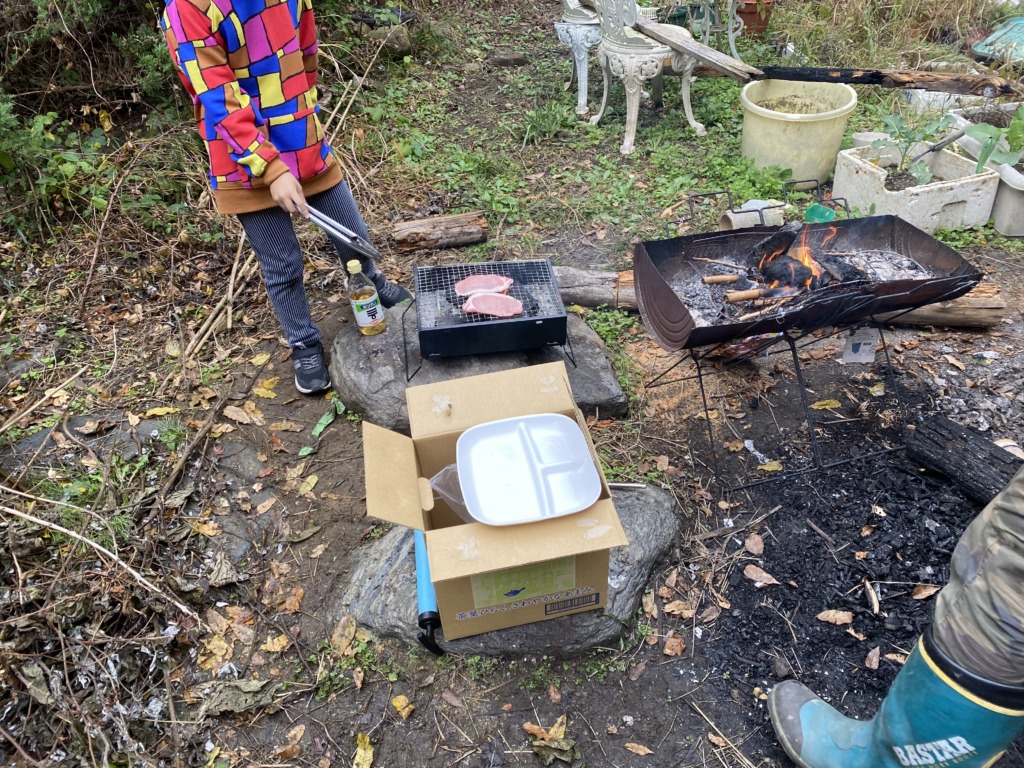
x: 251, y: 69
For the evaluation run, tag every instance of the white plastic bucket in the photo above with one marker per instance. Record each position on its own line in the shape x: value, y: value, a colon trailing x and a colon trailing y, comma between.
x: 795, y: 125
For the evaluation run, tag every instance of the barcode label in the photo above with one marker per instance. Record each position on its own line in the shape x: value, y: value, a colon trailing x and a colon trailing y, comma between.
x: 572, y: 603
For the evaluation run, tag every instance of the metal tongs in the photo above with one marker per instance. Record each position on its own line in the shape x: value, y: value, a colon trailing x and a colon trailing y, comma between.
x: 343, y: 233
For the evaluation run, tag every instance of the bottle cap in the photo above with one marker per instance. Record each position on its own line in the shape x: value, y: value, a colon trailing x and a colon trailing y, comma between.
x: 353, y: 266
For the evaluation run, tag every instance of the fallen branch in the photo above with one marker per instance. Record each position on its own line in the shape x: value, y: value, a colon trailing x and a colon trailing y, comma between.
x: 142, y: 580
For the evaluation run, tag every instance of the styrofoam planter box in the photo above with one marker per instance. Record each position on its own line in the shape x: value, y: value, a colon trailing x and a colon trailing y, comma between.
x: 1008, y: 208
x: 957, y: 197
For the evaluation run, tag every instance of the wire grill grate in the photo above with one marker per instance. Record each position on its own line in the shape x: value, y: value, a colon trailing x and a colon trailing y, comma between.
x: 438, y: 306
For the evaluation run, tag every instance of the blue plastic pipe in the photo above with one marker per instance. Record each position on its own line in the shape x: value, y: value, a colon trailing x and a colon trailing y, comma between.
x: 429, y: 618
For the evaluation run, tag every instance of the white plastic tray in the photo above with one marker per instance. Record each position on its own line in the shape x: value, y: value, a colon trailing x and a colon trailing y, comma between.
x: 526, y: 469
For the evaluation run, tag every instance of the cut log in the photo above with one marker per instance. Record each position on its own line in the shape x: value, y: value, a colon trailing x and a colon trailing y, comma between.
x: 595, y: 289
x: 983, y: 307
x: 966, y: 456
x: 679, y: 40
x: 944, y: 82
x: 440, y: 231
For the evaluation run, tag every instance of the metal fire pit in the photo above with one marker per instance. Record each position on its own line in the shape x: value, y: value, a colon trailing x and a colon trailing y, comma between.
x: 446, y: 331
x: 663, y: 269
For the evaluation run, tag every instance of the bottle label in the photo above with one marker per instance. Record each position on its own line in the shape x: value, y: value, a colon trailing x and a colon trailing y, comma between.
x: 368, y: 311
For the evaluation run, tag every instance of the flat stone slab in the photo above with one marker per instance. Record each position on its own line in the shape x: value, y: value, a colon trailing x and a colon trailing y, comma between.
x: 370, y: 372
x: 381, y: 592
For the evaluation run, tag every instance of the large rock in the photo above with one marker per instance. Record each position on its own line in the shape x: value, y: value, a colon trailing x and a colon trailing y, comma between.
x: 370, y: 373
x: 381, y: 593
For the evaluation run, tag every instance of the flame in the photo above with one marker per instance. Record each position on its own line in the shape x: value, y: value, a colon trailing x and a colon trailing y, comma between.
x: 801, y: 253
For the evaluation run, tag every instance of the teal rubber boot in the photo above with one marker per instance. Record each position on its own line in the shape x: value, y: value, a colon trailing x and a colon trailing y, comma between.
x: 936, y: 714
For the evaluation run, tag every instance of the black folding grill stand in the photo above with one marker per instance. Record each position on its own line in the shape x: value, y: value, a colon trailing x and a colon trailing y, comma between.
x: 792, y: 339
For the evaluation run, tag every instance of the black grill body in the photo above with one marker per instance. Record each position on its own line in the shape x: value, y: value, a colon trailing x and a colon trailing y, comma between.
x: 446, y: 331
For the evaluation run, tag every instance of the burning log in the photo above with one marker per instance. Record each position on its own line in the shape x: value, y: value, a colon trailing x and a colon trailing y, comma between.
x: 735, y: 297
x: 778, y: 242
x: 842, y: 271
x: 719, y: 279
x: 964, y: 455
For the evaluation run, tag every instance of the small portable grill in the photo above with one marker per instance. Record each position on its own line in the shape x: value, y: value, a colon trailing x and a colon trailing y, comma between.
x: 445, y: 330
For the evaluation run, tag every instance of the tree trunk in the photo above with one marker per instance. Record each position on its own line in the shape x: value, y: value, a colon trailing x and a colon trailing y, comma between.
x: 594, y: 289
x: 967, y: 457
x: 440, y: 231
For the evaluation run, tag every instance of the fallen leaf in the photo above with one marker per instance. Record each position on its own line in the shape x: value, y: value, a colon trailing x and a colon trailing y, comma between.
x: 266, y: 394
x: 207, y: 528
x: 318, y: 550
x: 325, y: 421
x: 452, y: 699
x: 554, y: 695
x: 133, y: 419
x: 954, y: 362
x: 557, y: 731
x: 650, y: 607
x: 215, y: 653
x: 261, y: 359
x: 871, y: 661
x: 403, y: 706
x: 717, y: 740
x: 536, y: 731
x: 506, y: 707
x: 823, y: 405
x: 235, y: 413
x: 286, y: 426
x: 754, y: 544
x: 308, y: 484
x: 878, y: 389
x: 638, y: 749
x: 161, y: 411
x: 276, y: 644
x: 221, y: 429
x: 924, y: 591
x: 682, y: 608
x: 899, y: 658
x: 709, y: 614
x: 343, y: 634
x: 855, y: 633
x: 877, y: 510
x: 867, y: 530
x: 835, y: 617
x: 771, y: 466
x: 860, y: 555
x: 357, y: 677
x: 292, y: 601
x: 734, y: 446
x: 364, y: 752
x: 296, y: 733
x: 760, y: 577
x: 638, y: 670
x: 674, y: 646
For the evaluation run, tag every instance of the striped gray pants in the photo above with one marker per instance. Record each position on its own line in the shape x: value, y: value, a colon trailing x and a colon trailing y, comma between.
x: 272, y: 237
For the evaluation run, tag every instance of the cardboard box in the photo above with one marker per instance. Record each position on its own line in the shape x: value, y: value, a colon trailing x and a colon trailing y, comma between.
x: 490, y: 577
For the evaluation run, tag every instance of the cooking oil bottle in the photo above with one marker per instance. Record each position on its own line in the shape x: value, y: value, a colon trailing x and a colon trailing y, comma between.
x: 366, y: 304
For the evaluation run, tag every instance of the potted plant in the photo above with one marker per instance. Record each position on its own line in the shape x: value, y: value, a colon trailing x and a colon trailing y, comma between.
x: 995, y: 136
x: 910, y: 176
x: 756, y: 15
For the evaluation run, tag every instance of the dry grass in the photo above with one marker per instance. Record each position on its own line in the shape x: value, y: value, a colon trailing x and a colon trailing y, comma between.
x: 901, y: 33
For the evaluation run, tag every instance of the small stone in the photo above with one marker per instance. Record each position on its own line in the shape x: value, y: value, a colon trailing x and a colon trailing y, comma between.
x: 781, y: 668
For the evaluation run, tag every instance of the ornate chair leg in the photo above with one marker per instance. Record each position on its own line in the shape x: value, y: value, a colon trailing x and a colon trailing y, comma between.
x: 685, y: 65
x: 607, y: 78
x: 580, y: 38
x: 734, y: 27
x: 633, y: 70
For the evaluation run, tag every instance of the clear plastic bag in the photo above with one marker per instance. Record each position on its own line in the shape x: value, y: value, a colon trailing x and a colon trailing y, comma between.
x: 446, y: 484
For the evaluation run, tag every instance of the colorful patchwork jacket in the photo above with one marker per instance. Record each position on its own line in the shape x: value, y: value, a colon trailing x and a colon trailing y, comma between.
x: 251, y: 69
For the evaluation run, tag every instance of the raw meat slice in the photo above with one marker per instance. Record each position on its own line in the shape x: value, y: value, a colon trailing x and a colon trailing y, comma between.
x: 494, y: 304
x: 485, y: 283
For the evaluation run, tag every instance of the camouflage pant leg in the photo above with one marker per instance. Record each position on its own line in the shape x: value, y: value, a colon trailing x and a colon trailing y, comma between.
x: 979, y: 616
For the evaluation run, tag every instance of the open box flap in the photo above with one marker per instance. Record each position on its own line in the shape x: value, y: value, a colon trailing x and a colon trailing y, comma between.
x: 465, y: 550
x: 456, y: 405
x: 392, y: 477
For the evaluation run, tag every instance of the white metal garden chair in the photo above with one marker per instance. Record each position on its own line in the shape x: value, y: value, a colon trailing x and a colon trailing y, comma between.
x: 634, y: 59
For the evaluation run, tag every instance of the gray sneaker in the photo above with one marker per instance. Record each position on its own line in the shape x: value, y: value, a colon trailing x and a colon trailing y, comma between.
x: 391, y: 294
x: 311, y: 374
